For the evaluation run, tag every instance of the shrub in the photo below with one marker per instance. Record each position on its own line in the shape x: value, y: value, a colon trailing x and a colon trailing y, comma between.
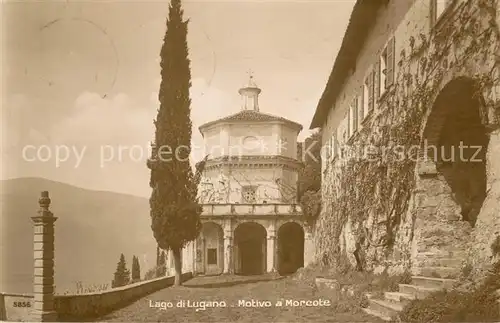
x: 81, y: 289
x: 150, y: 274
x: 155, y: 272
x: 122, y: 274
x: 467, y: 270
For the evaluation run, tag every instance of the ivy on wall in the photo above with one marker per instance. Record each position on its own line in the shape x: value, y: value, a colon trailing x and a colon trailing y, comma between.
x: 382, y: 186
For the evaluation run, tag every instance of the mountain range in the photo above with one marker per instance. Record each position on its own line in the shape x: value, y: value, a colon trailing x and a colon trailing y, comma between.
x: 92, y: 230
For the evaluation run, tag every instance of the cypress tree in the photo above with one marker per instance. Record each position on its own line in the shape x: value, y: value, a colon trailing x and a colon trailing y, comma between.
x: 162, y: 266
x: 157, y: 255
x: 122, y: 274
x: 136, y: 269
x: 175, y: 211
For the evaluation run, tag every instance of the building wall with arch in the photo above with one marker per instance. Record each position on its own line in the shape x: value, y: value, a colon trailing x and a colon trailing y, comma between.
x: 367, y: 215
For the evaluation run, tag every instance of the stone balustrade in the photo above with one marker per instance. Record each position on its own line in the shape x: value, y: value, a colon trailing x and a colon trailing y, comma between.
x: 210, y: 210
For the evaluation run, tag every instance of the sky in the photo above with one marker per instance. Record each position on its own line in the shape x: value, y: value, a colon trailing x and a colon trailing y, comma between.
x: 80, y: 79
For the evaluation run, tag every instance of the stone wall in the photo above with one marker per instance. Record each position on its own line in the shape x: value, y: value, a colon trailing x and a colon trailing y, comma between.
x: 100, y: 303
x: 15, y: 307
x: 384, y: 212
x: 18, y: 307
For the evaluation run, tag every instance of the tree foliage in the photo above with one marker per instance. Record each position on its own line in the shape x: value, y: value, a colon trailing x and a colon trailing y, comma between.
x: 175, y: 211
x: 136, y: 269
x: 122, y: 274
x: 309, y: 181
x: 161, y: 269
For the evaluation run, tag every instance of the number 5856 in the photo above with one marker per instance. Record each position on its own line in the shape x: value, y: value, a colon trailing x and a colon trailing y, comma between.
x: 22, y: 304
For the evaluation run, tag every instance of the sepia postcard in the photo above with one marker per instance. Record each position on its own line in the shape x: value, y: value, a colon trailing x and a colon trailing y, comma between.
x: 250, y: 161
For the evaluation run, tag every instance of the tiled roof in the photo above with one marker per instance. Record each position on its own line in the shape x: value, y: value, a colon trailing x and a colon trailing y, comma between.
x: 251, y: 116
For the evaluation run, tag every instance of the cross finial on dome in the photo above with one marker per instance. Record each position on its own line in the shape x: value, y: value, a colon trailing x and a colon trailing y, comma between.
x: 251, y: 82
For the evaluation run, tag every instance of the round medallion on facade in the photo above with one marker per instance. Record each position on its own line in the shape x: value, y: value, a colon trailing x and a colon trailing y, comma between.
x: 251, y: 143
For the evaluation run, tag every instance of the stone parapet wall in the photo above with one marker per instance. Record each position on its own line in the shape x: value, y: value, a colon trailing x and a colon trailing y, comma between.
x: 18, y: 307
x: 250, y: 209
x: 99, y: 303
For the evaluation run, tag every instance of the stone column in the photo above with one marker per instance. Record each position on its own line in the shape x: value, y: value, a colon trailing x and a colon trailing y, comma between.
x: 228, y: 248
x: 308, y: 247
x: 228, y: 254
x: 43, y: 283
x: 271, y: 250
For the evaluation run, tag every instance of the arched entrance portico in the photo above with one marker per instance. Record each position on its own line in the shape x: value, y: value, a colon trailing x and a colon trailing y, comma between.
x: 290, y: 248
x: 250, y: 246
x: 451, y: 181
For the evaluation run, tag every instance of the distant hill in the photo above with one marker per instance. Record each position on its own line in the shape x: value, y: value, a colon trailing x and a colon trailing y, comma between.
x: 92, y: 229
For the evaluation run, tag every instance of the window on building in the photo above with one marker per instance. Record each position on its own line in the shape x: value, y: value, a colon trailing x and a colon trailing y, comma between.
x: 249, y: 194
x: 344, y: 135
x: 368, y: 94
x: 333, y: 145
x: 348, y: 122
x: 328, y: 153
x: 353, y: 117
x: 386, y: 64
x: 212, y: 256
x: 376, y: 82
x: 360, y: 108
x: 342, y: 149
x: 383, y: 71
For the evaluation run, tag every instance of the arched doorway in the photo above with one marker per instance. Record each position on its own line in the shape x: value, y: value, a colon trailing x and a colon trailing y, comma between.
x: 451, y: 182
x: 210, y: 256
x: 250, y: 249
x: 456, y: 141
x: 290, y: 248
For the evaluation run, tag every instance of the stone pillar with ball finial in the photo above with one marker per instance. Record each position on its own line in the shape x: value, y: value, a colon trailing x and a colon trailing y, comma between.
x: 43, y: 254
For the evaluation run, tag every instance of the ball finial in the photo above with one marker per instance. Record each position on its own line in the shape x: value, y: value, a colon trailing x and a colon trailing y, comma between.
x: 44, y: 200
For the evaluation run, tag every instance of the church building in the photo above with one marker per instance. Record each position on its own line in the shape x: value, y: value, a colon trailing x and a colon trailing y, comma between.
x: 252, y: 223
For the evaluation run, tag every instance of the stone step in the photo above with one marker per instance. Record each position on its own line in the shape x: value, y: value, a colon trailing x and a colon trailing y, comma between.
x: 440, y: 261
x: 388, y: 309
x: 417, y: 292
x: 458, y: 253
x: 376, y: 314
x: 327, y: 283
x: 432, y: 282
x: 397, y: 297
x: 437, y: 271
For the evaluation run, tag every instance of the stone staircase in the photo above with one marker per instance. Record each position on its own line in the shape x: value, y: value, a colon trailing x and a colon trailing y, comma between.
x: 438, y: 274
x: 393, y: 302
